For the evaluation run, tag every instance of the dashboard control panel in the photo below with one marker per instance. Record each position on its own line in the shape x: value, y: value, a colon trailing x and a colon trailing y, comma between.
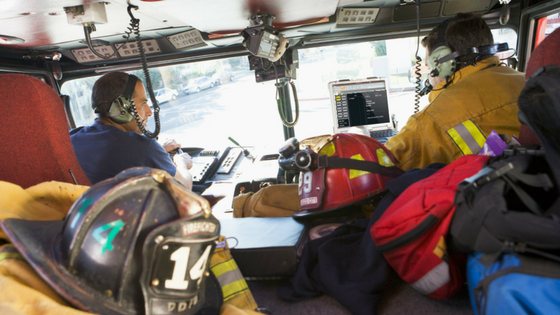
x: 202, y: 167
x: 207, y: 164
x: 230, y: 160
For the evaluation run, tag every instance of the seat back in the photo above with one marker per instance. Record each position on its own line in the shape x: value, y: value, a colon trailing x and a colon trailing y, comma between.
x: 545, y: 54
x: 35, y: 139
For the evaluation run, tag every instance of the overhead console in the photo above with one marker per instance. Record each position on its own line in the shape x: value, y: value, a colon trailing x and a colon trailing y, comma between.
x: 130, y: 49
x: 89, y: 15
x: 180, y: 41
x: 188, y: 39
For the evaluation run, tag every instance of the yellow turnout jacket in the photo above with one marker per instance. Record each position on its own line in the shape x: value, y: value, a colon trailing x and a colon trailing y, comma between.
x: 481, y: 98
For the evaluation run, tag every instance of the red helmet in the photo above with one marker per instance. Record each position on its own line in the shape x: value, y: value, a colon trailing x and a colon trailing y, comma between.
x: 350, y: 168
x: 138, y: 243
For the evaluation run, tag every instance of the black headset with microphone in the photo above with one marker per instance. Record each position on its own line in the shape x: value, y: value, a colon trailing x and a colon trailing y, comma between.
x: 442, y: 68
x: 442, y: 60
x: 122, y: 108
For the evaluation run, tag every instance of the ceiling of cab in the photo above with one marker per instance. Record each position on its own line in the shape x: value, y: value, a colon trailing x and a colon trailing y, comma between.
x: 42, y: 22
x: 42, y: 25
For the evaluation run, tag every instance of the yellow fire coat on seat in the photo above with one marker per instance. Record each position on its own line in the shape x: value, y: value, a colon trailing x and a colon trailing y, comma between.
x: 23, y: 291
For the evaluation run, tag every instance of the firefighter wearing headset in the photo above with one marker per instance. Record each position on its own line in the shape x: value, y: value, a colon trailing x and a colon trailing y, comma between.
x: 473, y: 96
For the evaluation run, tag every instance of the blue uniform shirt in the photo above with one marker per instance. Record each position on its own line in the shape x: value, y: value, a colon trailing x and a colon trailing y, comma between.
x: 104, y: 151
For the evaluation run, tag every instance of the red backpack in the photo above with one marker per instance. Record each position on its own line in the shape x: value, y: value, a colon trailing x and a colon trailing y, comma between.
x: 412, y: 233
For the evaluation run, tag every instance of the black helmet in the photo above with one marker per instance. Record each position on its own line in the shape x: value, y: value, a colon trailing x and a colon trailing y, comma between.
x: 138, y: 243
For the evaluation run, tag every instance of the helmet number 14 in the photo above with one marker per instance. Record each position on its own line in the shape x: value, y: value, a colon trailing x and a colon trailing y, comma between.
x: 181, y: 259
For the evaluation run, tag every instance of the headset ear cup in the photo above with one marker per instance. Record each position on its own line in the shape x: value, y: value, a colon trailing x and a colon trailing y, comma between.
x: 444, y: 69
x: 121, y: 114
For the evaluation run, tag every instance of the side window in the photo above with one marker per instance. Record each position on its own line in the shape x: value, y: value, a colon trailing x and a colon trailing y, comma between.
x: 537, y: 22
x: 80, y: 99
x: 545, y: 26
x: 505, y: 35
x: 509, y: 36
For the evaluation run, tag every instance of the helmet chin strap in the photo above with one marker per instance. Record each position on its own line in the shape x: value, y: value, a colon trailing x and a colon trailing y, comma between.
x: 324, y: 161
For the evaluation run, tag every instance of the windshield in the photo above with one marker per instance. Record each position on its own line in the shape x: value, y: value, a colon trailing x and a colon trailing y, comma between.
x: 204, y: 113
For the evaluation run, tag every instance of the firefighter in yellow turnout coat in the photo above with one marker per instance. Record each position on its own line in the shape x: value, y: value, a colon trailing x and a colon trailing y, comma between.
x: 480, y: 99
x: 475, y: 95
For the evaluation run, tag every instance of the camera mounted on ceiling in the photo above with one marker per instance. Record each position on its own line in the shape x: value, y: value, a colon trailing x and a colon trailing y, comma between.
x: 266, y: 70
x: 268, y: 48
x: 263, y: 40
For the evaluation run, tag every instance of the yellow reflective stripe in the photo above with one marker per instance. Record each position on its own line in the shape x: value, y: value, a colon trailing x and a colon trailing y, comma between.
x: 383, y: 158
x: 357, y: 173
x: 328, y: 149
x: 230, y: 278
x: 468, y: 137
x: 10, y: 252
x: 223, y: 267
x: 475, y: 132
x: 234, y: 288
x: 459, y: 141
x: 17, y: 256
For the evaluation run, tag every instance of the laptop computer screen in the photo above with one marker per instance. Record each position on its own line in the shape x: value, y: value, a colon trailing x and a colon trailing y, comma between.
x: 363, y: 102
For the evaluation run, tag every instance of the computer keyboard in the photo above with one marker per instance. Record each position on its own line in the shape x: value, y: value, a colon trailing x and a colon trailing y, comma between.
x: 382, y: 135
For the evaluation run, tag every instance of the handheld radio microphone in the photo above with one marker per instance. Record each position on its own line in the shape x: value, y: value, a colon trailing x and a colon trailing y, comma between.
x: 245, y: 151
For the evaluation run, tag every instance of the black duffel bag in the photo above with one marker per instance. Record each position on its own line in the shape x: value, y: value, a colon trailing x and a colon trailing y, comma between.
x: 512, y: 205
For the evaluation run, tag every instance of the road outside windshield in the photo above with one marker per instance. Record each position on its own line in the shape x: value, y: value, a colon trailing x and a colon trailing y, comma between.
x: 204, y: 103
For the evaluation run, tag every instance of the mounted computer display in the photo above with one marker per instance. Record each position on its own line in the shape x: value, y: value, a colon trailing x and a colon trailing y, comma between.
x: 361, y: 103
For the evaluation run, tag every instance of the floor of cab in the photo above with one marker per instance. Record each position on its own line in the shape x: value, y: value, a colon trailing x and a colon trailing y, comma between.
x: 400, y: 298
